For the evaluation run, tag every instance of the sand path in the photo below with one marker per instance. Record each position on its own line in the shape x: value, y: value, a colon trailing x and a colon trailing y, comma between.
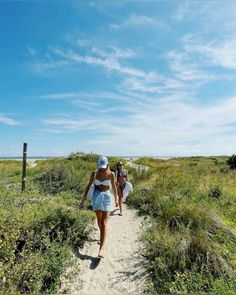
x: 122, y: 271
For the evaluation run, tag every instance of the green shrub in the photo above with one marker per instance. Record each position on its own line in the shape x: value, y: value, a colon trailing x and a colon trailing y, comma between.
x: 141, y: 175
x: 39, y: 232
x: 232, y: 162
x: 184, y: 245
x: 183, y: 261
x: 215, y: 192
x: 63, y: 176
x: 36, y: 243
x: 35, y: 272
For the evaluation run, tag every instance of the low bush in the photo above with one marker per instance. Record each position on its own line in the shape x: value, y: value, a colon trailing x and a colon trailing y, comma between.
x: 215, y: 192
x: 232, y: 162
x: 39, y: 232
x: 65, y: 175
x: 176, y: 256
x: 37, y: 241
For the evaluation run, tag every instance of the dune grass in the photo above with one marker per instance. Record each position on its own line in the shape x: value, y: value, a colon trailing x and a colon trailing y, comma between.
x: 40, y: 228
x: 190, y: 239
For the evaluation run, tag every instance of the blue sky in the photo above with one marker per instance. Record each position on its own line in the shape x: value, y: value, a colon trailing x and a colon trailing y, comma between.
x: 118, y: 78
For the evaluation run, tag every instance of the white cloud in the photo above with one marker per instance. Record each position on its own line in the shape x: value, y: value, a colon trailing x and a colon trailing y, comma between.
x: 83, y: 42
x: 214, y: 41
x: 158, y: 127
x: 59, y: 95
x: 136, y: 19
x: 215, y: 17
x: 222, y: 53
x: 68, y: 123
x: 73, y: 124
x: 113, y: 52
x: 110, y: 64
x: 42, y: 66
x: 140, y: 20
x: 161, y: 85
x: 187, y: 67
x: 8, y: 121
x: 162, y: 112
x: 95, y: 103
x: 182, y: 11
x: 215, y: 52
x: 93, y: 98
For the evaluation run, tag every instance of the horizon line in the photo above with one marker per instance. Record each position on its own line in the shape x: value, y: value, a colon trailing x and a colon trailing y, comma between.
x: 126, y: 156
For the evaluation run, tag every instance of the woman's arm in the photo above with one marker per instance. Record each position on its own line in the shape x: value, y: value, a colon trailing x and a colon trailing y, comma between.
x: 87, y: 188
x: 113, y: 184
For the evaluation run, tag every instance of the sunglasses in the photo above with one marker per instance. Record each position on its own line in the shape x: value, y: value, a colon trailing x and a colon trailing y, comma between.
x: 120, y: 165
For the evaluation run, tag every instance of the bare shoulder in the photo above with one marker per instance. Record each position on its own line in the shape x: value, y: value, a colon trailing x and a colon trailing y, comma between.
x: 112, y: 174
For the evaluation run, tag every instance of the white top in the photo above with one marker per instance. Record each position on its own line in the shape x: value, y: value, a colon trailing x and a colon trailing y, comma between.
x: 106, y: 182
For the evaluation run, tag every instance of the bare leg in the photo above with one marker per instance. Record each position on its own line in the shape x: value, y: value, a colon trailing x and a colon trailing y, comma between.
x: 104, y: 220
x: 120, y: 195
x: 99, y: 220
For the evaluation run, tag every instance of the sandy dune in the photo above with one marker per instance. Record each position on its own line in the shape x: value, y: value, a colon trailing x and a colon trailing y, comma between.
x: 122, y: 270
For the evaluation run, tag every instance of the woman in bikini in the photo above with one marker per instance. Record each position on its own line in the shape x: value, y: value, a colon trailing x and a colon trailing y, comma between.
x: 104, y: 181
x: 121, y: 178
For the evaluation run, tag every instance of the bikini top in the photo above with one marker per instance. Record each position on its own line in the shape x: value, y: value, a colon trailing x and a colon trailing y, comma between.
x: 122, y: 173
x: 106, y: 182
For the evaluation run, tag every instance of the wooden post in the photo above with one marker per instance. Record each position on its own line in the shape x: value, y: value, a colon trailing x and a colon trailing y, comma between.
x: 24, y: 167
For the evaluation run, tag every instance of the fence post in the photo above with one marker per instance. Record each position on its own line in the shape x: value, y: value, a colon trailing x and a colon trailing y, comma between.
x: 24, y: 167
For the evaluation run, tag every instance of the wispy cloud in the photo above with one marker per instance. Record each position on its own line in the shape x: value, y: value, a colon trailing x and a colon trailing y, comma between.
x: 123, y: 78
x: 140, y: 20
x: 63, y: 95
x: 215, y: 39
x: 218, y: 52
x: 107, y: 57
x: 176, y: 124
x: 114, y: 52
x: 85, y: 95
x: 182, y: 11
x: 42, y: 66
x: 104, y: 50
x: 83, y: 42
x: 161, y: 110
x: 109, y: 63
x: 186, y: 67
x: 91, y: 100
x: 71, y: 123
x: 8, y: 121
x: 162, y: 85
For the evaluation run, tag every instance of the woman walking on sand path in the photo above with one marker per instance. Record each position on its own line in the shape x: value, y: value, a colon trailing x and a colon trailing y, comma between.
x: 104, y: 181
x: 121, y: 178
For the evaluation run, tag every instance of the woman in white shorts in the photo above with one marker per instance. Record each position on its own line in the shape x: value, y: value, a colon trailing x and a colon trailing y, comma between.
x: 104, y: 180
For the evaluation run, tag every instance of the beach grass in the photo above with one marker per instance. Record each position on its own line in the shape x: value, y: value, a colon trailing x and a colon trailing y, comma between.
x: 190, y: 239
x: 40, y: 228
